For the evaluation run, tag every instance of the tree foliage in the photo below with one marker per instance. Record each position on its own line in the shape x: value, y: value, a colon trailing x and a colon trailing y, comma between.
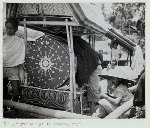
x: 125, y: 14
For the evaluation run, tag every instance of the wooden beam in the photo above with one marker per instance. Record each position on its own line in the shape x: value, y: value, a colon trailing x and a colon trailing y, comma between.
x: 120, y: 110
x: 45, y: 111
x: 58, y: 23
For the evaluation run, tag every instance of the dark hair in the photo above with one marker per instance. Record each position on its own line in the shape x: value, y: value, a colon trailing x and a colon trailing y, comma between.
x: 115, y: 42
x: 13, y: 21
x: 100, y: 56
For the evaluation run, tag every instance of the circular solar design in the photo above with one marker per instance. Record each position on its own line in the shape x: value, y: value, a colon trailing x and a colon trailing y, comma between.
x: 47, y: 63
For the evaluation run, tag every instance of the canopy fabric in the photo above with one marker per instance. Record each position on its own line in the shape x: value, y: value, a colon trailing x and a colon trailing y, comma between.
x: 93, y: 12
x: 123, y: 72
x: 32, y: 35
x: 89, y: 15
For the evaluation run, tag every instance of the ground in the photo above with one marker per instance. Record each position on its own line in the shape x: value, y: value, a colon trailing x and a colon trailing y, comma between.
x: 19, y: 114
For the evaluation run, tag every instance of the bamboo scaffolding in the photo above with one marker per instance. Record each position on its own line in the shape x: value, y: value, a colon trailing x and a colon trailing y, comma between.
x: 45, y: 111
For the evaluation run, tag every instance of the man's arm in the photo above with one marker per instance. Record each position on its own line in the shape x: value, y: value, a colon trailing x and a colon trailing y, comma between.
x: 21, y: 73
x: 112, y: 100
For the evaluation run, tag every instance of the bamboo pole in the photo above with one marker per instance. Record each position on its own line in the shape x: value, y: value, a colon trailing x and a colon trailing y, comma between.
x: 92, y: 41
x: 73, y: 63
x: 71, y: 73
x: 45, y: 111
x: 9, y: 10
x: 59, y: 23
x: 25, y: 34
x: 81, y: 96
x: 129, y: 29
x: 120, y: 110
x: 130, y: 60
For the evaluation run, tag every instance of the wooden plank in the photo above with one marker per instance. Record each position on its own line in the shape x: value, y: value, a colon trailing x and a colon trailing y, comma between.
x: 45, y: 111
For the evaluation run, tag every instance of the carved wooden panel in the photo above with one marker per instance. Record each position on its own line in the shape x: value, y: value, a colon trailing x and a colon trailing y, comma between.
x: 45, y: 97
x: 55, y: 99
x: 44, y: 8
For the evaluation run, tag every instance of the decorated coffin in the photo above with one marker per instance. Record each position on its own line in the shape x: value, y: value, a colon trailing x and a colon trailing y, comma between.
x: 47, y: 67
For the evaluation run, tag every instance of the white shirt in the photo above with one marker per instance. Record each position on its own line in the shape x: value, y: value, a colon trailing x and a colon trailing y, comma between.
x: 13, y: 51
x: 116, y: 53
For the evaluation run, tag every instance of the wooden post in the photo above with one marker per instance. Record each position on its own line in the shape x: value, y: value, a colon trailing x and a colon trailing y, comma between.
x: 130, y: 60
x: 90, y: 39
x: 71, y: 66
x: 94, y: 41
x: 81, y: 101
x: 45, y: 111
x: 129, y: 29
x: 25, y: 41
x: 8, y: 10
x: 44, y: 19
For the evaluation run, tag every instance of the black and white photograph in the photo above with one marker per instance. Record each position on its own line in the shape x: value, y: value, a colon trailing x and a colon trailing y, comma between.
x: 73, y: 60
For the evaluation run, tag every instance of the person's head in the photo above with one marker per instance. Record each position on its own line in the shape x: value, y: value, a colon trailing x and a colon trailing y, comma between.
x: 100, y: 51
x: 115, y: 45
x: 124, y: 33
x: 113, y: 81
x: 113, y: 63
x: 118, y: 81
x: 141, y: 42
x: 11, y: 25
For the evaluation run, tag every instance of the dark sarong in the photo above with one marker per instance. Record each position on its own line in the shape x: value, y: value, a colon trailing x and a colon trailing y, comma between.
x: 139, y: 97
